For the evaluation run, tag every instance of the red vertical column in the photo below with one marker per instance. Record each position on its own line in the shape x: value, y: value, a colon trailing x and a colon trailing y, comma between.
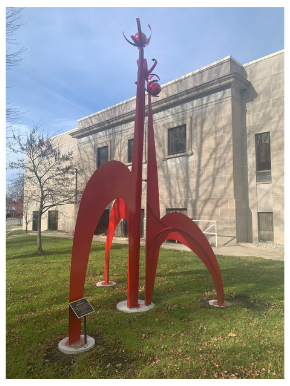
x: 134, y: 215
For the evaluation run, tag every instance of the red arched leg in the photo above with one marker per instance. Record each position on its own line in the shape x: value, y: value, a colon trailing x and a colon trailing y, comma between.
x: 179, y: 227
x: 119, y: 211
x: 109, y: 181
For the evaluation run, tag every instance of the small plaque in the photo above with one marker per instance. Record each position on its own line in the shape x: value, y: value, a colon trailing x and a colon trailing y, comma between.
x: 81, y: 307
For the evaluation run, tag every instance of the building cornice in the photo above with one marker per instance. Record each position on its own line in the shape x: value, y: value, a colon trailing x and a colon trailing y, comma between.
x: 230, y: 80
x: 264, y: 58
x: 201, y: 70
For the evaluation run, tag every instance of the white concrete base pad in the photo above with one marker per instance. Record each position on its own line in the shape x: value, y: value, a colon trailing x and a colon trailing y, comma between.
x: 102, y: 284
x: 211, y: 303
x: 122, y: 306
x: 76, y: 349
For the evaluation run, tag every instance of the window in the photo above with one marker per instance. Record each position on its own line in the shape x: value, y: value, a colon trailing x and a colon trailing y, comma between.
x: 130, y: 150
x: 263, y: 157
x: 102, y: 156
x: 52, y: 220
x: 265, y: 226
x: 177, y: 140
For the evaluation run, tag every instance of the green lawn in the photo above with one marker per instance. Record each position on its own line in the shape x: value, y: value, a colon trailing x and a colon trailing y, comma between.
x: 181, y: 337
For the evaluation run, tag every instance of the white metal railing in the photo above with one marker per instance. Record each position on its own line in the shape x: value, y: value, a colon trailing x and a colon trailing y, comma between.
x: 206, y: 231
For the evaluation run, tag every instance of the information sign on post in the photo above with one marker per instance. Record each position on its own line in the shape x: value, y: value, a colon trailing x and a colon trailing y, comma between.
x: 82, y: 308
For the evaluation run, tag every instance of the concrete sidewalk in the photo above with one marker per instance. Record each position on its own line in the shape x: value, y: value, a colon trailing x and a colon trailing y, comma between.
x: 231, y: 250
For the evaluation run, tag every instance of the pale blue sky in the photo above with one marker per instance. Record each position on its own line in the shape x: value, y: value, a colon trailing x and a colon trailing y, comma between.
x: 77, y: 61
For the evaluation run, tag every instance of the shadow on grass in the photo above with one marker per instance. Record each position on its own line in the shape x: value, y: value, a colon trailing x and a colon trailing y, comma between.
x: 26, y: 247
x: 248, y: 282
x: 104, y: 358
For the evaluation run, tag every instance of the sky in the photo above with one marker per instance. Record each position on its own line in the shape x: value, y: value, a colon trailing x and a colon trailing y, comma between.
x: 77, y: 61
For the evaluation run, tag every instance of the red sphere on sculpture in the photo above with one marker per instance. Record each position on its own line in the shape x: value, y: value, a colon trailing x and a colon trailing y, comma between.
x: 154, y: 88
x: 144, y: 38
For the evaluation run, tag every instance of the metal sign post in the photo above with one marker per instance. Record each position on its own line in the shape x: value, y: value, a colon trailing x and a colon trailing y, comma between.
x: 85, y: 328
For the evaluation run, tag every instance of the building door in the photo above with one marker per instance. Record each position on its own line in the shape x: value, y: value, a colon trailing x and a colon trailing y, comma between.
x: 35, y: 220
x: 103, y: 223
x: 124, y: 226
x: 52, y: 220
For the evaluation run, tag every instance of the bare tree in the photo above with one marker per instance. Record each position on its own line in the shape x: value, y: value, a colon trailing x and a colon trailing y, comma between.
x: 49, y: 170
x: 15, y: 187
x: 13, y: 55
x: 13, y: 58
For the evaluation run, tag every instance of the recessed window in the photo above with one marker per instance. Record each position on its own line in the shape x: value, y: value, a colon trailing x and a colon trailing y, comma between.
x: 263, y: 157
x: 130, y: 150
x: 265, y: 227
x: 177, y: 140
x: 102, y: 156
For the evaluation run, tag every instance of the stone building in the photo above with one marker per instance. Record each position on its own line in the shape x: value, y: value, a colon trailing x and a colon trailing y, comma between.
x: 219, y: 137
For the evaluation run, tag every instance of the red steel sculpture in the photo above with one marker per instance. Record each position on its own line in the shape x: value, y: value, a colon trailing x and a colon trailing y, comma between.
x: 113, y: 181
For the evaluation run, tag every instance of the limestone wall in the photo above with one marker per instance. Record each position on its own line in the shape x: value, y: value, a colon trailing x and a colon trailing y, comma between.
x: 264, y: 102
